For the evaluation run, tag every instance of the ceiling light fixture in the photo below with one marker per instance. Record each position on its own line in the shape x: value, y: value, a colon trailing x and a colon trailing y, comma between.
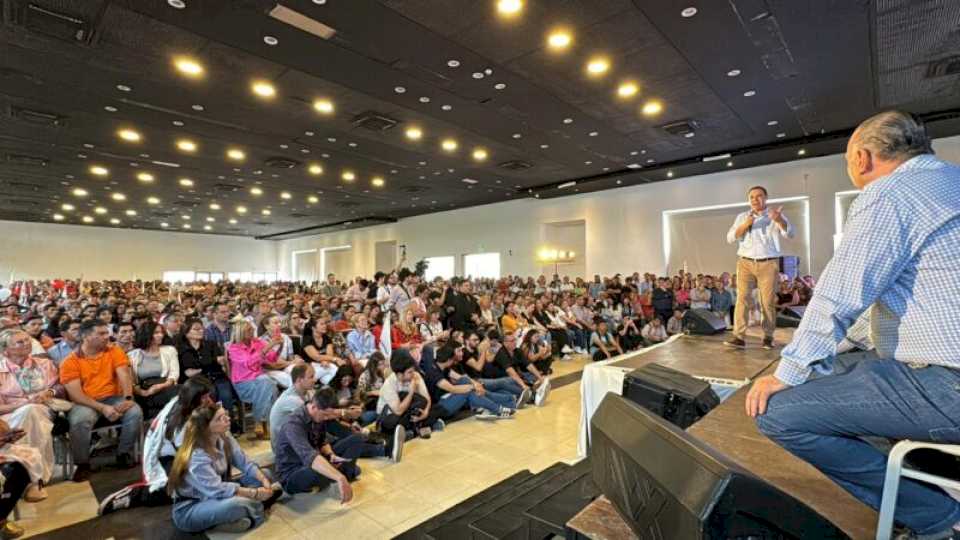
x: 197, y: 107
x: 58, y: 217
x: 729, y: 164
x: 100, y: 210
x: 399, y: 89
x: 97, y: 170
x: 186, y: 145
x: 129, y: 135
x: 131, y: 212
x: 424, y: 99
x: 377, y: 181
x: 448, y: 145
x: 256, y: 191
x: 750, y: 93
x: 79, y: 192
x: 233, y: 221
x: 263, y: 89
x: 153, y: 200
x: 348, y: 176
x: 114, y: 221
x: 627, y: 89
x: 313, y: 199
x: 266, y: 212
x: 67, y: 207
x: 688, y: 12
x: 669, y: 174
x: 145, y: 177
x: 559, y: 40
x: 185, y: 217
x: 123, y: 88
x: 207, y: 228
x: 177, y: 4
x: 479, y: 154
x: 241, y: 209
x: 285, y: 195
x: 323, y: 106
x: 87, y: 219
x: 772, y: 123
x: 447, y: 107
x: 414, y: 133
x: 211, y: 219
x: 118, y: 196
x: 270, y: 40
x: 315, y: 169
x: 781, y: 135
x: 499, y: 86
x: 186, y: 182
x: 652, y: 108
x: 733, y: 73
x: 188, y: 66
x: 214, y: 206
x: 110, y: 108
x: 509, y: 8
x: 597, y: 66
x: 164, y: 224
x: 236, y: 154
x: 186, y: 225
x: 801, y: 152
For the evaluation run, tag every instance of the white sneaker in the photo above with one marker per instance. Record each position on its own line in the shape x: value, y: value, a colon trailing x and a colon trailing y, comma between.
x: 566, y: 349
x: 523, y: 399
x: 542, y: 392
x: 399, y: 437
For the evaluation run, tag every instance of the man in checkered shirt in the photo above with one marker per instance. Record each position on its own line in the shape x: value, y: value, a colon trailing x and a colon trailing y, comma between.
x: 899, y: 259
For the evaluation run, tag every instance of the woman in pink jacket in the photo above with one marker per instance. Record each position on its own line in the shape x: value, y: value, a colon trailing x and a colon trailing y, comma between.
x: 247, y: 355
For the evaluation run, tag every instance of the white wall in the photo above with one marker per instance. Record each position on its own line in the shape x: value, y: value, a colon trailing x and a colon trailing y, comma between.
x: 43, y: 250
x: 623, y: 225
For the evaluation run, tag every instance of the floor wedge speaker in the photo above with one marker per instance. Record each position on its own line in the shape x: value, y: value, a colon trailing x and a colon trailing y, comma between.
x: 704, y: 322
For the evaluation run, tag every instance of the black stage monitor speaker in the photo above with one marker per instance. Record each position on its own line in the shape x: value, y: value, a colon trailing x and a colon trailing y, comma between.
x: 704, y: 322
x: 670, y: 394
x: 667, y: 485
x: 790, y: 317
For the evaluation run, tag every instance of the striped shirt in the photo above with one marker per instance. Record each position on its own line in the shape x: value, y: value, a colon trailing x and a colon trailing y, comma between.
x: 899, y: 257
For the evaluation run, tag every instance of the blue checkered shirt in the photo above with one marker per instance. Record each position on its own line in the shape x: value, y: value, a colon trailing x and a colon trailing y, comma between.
x: 900, y: 257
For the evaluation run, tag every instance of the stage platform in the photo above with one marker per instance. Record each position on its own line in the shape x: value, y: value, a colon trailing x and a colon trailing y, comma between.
x: 727, y: 428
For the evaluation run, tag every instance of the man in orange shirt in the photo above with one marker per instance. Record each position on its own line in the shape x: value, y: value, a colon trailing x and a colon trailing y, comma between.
x: 98, y: 381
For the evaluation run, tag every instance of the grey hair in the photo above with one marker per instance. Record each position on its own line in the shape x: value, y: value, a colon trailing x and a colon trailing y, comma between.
x: 894, y: 135
x: 6, y: 335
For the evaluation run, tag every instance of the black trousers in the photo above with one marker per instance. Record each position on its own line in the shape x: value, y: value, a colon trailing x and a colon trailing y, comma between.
x: 389, y: 421
x: 17, y: 480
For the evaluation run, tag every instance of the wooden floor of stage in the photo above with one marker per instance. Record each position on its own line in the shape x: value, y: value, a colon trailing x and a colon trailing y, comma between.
x: 729, y: 430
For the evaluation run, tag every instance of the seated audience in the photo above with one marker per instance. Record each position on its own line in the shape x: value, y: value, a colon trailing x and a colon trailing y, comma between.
x: 271, y: 334
x: 508, y: 362
x: 126, y: 333
x: 246, y: 356
x: 319, y: 347
x: 155, y: 368
x: 69, y: 341
x: 675, y: 325
x: 603, y: 344
x: 404, y: 398
x: 654, y: 332
x: 98, y: 380
x: 200, y: 477
x: 200, y: 356
x: 303, y: 380
x: 452, y: 391
x: 16, y: 478
x: 360, y: 342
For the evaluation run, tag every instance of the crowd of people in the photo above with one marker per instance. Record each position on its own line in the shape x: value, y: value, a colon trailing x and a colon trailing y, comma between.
x: 329, y: 373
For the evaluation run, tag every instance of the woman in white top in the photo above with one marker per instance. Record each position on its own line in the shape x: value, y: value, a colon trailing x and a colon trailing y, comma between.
x: 700, y: 297
x: 280, y: 369
x: 156, y: 369
x: 431, y: 331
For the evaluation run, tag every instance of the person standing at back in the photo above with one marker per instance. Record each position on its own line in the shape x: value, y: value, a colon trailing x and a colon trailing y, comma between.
x: 757, y: 233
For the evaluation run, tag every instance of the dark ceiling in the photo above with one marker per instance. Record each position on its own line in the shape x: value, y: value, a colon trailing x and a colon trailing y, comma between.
x: 761, y: 80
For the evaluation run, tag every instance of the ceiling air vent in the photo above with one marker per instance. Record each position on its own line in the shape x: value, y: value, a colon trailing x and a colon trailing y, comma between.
x: 515, y: 165
x: 281, y: 163
x: 26, y: 186
x: 31, y: 161
x: 55, y: 24
x: 683, y: 128
x: 299, y: 215
x: 414, y: 189
x: 943, y: 67
x: 226, y: 188
x: 264, y: 223
x: 374, y: 121
x: 40, y: 118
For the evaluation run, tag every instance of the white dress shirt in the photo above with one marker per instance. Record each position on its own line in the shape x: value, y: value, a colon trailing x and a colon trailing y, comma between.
x: 762, y: 240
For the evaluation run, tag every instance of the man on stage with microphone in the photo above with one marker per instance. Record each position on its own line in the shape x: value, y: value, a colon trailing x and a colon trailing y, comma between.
x: 757, y: 232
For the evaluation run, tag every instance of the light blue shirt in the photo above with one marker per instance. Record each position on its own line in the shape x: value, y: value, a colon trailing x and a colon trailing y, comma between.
x: 206, y: 475
x: 289, y: 402
x: 762, y: 240
x: 361, y: 345
x: 900, y: 256
x: 59, y: 352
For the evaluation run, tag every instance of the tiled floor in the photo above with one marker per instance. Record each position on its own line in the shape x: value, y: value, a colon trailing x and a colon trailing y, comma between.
x: 467, y: 457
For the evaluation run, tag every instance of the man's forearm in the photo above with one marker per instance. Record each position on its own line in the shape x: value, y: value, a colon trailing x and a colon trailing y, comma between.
x: 126, y: 383
x: 742, y: 229
x: 323, y: 467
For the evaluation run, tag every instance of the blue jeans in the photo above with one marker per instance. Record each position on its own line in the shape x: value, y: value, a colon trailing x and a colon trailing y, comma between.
x: 195, y: 516
x: 83, y: 418
x: 489, y: 401
x: 261, y: 393
x: 821, y: 421
x: 224, y: 393
x: 503, y: 385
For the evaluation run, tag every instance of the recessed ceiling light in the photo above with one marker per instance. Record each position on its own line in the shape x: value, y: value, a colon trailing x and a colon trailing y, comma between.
x: 313, y: 199
x: 413, y: 133
x: 214, y: 206
x: 348, y: 176
x: 284, y: 146
x: 153, y: 200
x: 118, y: 196
x: 236, y: 154
x: 781, y: 135
x: 448, y: 145
x: 509, y: 8
x: 517, y: 135
x: 377, y: 181
x: 750, y: 93
x: 399, y: 89
x: 67, y: 207
x: 233, y: 221
x: 669, y: 174
x: 729, y: 164
x: 499, y: 86
x: 597, y: 66
x: 187, y: 145
x: 197, y: 107
x: 688, y: 12
x: 100, y: 210
x: 488, y: 72
x: 285, y: 195
x: 315, y: 169
x: 424, y: 99
x: 266, y: 211
x: 256, y: 191
x: 123, y: 88
x: 270, y: 40
x: 308, y: 133
x: 98, y: 170
x: 568, y: 120
x: 164, y: 224
x: 733, y: 73
x: 628, y: 89
x: 58, y: 217
x: 185, y: 217
x: 544, y: 146
x: 477, y: 75
x: 447, y: 107
x: 186, y: 225
x: 145, y: 177
x: 207, y: 228
x: 241, y: 209
x: 801, y: 152
x: 559, y: 40
x: 323, y: 106
x: 331, y: 139
x: 453, y: 63
x: 772, y: 123
x: 178, y: 123
x: 79, y: 192
x: 619, y: 182
x: 479, y: 154
x: 87, y: 219
x: 588, y: 163
x: 652, y: 108
x: 263, y: 89
x: 131, y: 212
x: 188, y: 66
x: 110, y: 108
x: 593, y: 134
x: 178, y: 4
x: 88, y: 145
x: 186, y: 182
x: 211, y: 219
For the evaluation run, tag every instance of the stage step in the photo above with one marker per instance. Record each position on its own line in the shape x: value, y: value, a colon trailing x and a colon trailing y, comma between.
x: 550, y: 516
x: 459, y: 528
x: 420, y: 531
x: 508, y: 521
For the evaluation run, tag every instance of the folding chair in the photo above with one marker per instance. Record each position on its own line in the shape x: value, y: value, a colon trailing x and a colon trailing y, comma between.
x: 896, y: 470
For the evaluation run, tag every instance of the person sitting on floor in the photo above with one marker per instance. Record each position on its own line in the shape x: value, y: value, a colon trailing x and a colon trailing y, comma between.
x: 675, y: 324
x: 451, y: 391
x: 97, y: 379
x: 654, y: 332
x: 603, y: 344
x: 204, y: 496
x: 404, y: 398
x: 291, y: 399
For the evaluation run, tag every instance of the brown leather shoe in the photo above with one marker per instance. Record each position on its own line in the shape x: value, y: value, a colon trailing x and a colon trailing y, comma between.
x: 735, y: 342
